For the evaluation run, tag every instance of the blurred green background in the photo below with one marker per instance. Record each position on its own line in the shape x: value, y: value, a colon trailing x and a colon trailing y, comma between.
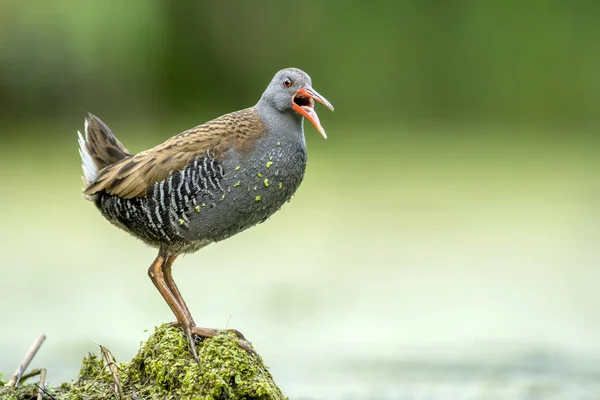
x: 445, y: 240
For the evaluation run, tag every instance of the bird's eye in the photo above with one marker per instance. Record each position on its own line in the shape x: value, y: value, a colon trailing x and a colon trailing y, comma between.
x: 287, y: 82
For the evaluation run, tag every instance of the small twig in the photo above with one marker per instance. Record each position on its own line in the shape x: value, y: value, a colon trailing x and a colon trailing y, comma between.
x: 16, y: 377
x: 30, y: 374
x: 42, y: 384
x: 110, y: 361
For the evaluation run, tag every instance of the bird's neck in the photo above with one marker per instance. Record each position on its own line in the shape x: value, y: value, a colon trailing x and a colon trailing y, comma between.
x: 281, y: 125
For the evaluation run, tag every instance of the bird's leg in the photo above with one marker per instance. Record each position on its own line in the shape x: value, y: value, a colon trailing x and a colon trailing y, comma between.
x: 155, y: 272
x: 166, y: 269
x: 160, y: 274
x: 204, y: 332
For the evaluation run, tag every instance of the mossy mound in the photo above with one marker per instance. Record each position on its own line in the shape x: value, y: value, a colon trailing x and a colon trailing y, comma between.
x: 164, y: 369
x: 26, y: 392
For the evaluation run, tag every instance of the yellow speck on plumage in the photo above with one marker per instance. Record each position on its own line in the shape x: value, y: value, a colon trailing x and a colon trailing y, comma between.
x: 203, y: 204
x: 238, y: 167
x: 181, y: 221
x: 197, y: 208
x: 278, y: 144
x: 259, y: 175
x: 280, y: 185
x: 270, y: 158
x: 236, y: 184
x: 269, y: 163
x: 254, y: 187
x: 222, y: 197
x: 257, y: 198
x: 266, y: 182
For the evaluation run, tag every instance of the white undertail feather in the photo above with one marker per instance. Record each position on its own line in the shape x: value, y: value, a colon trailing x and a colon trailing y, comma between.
x: 90, y: 170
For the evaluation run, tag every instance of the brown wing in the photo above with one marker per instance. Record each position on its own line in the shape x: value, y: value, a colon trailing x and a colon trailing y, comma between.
x: 132, y: 176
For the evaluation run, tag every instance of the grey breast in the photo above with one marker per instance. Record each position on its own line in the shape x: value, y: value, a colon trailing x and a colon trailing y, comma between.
x: 253, y: 187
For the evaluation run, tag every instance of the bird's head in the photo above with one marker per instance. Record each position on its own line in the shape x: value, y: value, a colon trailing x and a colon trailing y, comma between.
x: 290, y: 91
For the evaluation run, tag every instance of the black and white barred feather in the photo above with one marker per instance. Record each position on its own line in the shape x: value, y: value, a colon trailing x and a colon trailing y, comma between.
x: 159, y: 217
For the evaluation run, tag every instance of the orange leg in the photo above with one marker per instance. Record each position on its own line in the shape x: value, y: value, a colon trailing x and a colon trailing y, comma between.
x: 166, y: 269
x: 160, y: 274
x: 155, y: 272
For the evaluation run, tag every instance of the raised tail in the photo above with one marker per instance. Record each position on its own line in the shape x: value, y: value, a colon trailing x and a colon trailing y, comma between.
x: 99, y: 149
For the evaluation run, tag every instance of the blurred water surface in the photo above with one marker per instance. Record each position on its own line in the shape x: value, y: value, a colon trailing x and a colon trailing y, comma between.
x: 426, y: 263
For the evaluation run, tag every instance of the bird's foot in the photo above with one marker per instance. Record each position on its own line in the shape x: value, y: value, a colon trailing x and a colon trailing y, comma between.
x: 209, y: 332
x: 191, y: 331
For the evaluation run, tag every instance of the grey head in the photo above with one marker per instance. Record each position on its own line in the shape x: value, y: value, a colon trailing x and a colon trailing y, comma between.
x: 291, y: 93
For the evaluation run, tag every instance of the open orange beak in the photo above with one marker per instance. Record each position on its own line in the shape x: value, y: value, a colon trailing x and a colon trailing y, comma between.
x: 303, y: 102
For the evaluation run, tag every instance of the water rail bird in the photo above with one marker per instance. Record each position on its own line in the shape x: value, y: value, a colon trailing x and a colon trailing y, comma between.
x: 205, y: 184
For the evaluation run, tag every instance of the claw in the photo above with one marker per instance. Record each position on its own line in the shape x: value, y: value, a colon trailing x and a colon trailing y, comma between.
x: 207, y: 332
x: 191, y: 343
x: 244, y: 345
x: 190, y: 331
x: 236, y: 333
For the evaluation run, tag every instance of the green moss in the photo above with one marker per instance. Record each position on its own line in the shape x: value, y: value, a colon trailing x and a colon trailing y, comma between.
x: 165, y: 369
x: 28, y: 392
x: 23, y: 392
x: 94, y: 381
